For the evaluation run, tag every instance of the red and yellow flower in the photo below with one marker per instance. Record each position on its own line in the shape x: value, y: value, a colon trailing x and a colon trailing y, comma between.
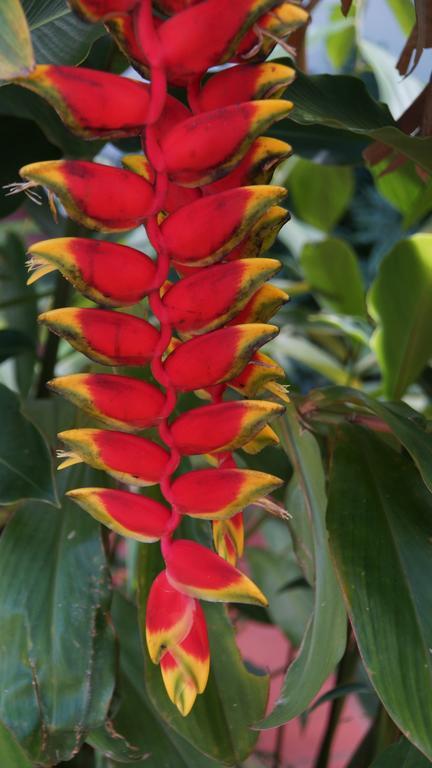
x: 201, y: 189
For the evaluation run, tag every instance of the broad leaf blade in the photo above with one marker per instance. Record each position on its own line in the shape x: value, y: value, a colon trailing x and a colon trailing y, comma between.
x: 58, y: 35
x: 25, y: 461
x: 56, y: 641
x: 16, y: 52
x: 332, y: 270
x: 309, y: 184
x: 325, y: 638
x: 403, y: 755
x: 10, y: 752
x: 234, y: 699
x: 380, y: 525
x: 400, y: 301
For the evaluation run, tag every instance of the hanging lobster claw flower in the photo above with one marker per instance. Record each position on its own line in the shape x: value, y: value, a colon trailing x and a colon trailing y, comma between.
x: 264, y: 439
x: 245, y: 83
x: 262, y: 235
x: 217, y: 356
x: 223, y: 290
x: 176, y: 196
x: 107, y: 273
x: 262, y: 306
x: 220, y: 222
x: 175, y: 6
x: 272, y: 27
x: 222, y: 426
x: 181, y: 37
x: 257, y: 375
x: 91, y: 103
x: 119, y: 401
x: 200, y: 573
x: 176, y: 635
x: 128, y: 514
x: 228, y: 537
x: 228, y: 132
x: 214, y: 494
x: 189, y: 675
x: 110, y: 338
x: 128, y: 458
x: 98, y: 196
x: 100, y: 10
x: 257, y: 166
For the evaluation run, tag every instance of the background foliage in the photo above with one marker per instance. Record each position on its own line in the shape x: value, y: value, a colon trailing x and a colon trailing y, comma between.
x: 356, y: 451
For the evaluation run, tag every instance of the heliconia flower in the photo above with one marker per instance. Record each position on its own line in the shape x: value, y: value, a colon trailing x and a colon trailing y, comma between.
x: 91, y: 103
x: 256, y: 376
x: 281, y: 22
x: 176, y: 196
x: 120, y: 401
x: 223, y: 290
x: 174, y: 6
x: 176, y: 633
x: 264, y: 439
x: 189, y: 675
x: 217, y: 356
x: 100, y: 10
x: 222, y: 426
x: 214, y: 494
x: 200, y: 573
x: 110, y: 338
x: 128, y: 514
x: 107, y: 273
x: 221, y: 23
x: 228, y: 131
x: 245, y: 83
x: 262, y: 305
x: 128, y: 458
x: 262, y: 235
x: 98, y: 196
x: 220, y: 222
x: 228, y: 537
x: 257, y: 166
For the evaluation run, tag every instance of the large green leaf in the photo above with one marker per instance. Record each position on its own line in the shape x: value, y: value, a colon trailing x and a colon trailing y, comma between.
x: 10, y: 752
x: 342, y: 102
x: 136, y: 719
x: 234, y: 698
x: 57, y: 648
x: 58, y: 35
x: 16, y: 52
x: 332, y: 270
x: 310, y: 185
x: 380, y: 525
x: 25, y: 462
x: 407, y: 425
x: 401, y: 755
x: 325, y: 638
x: 404, y: 13
x: 400, y: 301
x: 341, y: 39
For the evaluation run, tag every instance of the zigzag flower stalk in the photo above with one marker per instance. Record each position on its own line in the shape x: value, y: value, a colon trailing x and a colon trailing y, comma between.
x: 200, y: 188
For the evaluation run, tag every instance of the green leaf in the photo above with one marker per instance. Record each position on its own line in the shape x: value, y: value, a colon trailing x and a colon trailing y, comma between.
x: 310, y: 185
x: 341, y: 40
x: 400, y: 301
x: 404, y: 13
x: 407, y: 425
x: 403, y: 187
x: 272, y: 571
x: 136, y: 719
x: 303, y: 351
x: 16, y: 52
x: 331, y: 268
x: 57, y: 655
x: 234, y: 698
x: 58, y: 35
x: 342, y: 102
x: 401, y: 755
x: 324, y: 641
x: 25, y: 462
x: 23, y: 315
x: 11, y: 753
x: 380, y: 526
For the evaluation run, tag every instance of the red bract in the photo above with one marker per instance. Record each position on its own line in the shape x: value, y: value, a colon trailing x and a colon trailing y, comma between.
x: 201, y: 189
